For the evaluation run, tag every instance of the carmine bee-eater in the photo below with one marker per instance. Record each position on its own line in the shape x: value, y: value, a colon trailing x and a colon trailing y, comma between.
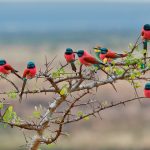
x: 147, y: 90
x: 6, y: 68
x: 70, y: 58
x: 87, y: 59
x: 145, y: 35
x: 29, y: 73
x: 107, y: 55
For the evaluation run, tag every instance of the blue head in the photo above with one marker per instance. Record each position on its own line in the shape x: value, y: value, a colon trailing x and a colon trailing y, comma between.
x: 104, y: 50
x: 30, y: 65
x: 147, y: 27
x: 2, y: 62
x: 80, y: 53
x: 69, y: 51
x: 147, y: 86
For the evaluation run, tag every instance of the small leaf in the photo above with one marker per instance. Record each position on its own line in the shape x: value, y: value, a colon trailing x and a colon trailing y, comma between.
x: 1, y: 106
x: 119, y: 71
x: 37, y: 114
x: 143, y: 51
x: 64, y: 90
x: 80, y: 113
x: 12, y: 95
x: 87, y: 118
x: 107, y: 69
x: 137, y: 84
x: 132, y: 76
x: 8, y: 116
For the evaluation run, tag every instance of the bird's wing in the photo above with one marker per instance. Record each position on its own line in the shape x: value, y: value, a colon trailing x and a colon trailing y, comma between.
x: 111, y: 54
x: 9, y: 67
x: 26, y: 72
x: 142, y: 33
x: 91, y: 59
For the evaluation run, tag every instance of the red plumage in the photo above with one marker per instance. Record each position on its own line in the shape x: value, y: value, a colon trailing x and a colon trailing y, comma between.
x: 145, y: 34
x: 69, y: 57
x: 7, y: 69
x: 110, y: 55
x: 87, y: 59
x: 147, y: 93
x: 29, y: 73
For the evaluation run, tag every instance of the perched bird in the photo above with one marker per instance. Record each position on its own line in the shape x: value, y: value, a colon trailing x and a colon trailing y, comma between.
x: 6, y: 68
x: 147, y: 90
x: 29, y: 73
x: 145, y: 33
x: 70, y: 58
x: 107, y: 55
x: 87, y: 59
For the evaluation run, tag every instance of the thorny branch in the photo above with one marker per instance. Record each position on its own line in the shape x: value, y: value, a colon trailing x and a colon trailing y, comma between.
x: 65, y: 86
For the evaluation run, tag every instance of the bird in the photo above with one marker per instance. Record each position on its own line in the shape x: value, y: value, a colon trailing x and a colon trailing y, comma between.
x: 107, y: 55
x: 70, y: 58
x: 6, y: 68
x: 29, y: 73
x: 145, y: 33
x: 147, y: 90
x: 87, y: 59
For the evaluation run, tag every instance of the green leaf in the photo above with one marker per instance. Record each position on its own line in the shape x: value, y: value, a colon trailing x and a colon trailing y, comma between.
x: 148, y: 65
x: 143, y: 51
x: 64, y: 90
x: 8, y: 116
x: 52, y: 145
x: 1, y: 106
x: 132, y: 76
x: 12, y: 95
x: 137, y: 84
x: 37, y: 114
x: 87, y: 118
x: 58, y: 73
x: 80, y: 113
x: 119, y: 71
x: 55, y: 74
x: 107, y: 69
x: 61, y: 71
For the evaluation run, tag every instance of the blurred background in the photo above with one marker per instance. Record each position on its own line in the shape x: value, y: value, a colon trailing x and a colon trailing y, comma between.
x: 31, y: 30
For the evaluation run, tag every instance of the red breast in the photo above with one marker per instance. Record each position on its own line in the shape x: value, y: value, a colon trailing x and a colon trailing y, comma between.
x: 145, y: 34
x: 147, y: 93
x: 70, y: 58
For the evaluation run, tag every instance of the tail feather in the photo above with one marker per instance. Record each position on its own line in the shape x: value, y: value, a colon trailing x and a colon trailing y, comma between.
x: 22, y: 90
x: 121, y: 55
x: 73, y: 66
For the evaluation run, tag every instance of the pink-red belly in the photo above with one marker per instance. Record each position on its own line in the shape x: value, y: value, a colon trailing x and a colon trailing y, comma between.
x: 147, y: 93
